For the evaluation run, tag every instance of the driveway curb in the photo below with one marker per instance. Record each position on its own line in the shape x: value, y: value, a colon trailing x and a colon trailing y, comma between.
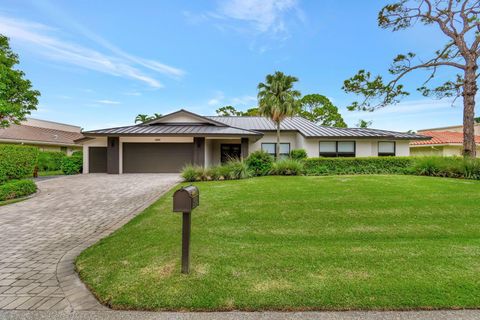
x: 78, y: 295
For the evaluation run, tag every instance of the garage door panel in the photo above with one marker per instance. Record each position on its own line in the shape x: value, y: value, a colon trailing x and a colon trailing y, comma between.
x: 97, y: 159
x: 156, y: 157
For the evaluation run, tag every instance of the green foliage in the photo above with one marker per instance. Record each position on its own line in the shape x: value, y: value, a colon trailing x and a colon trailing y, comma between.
x: 17, y: 161
x: 319, y: 109
x: 235, y: 169
x: 288, y: 167
x: 142, y: 118
x: 259, y: 163
x: 452, y: 167
x: 77, y: 154
x: 369, y: 165
x: 363, y: 123
x: 277, y: 100
x: 72, y: 164
x: 17, y: 188
x: 192, y: 173
x: 232, y: 170
x: 50, y: 161
x: 228, y: 111
x: 298, y: 154
x: 17, y: 99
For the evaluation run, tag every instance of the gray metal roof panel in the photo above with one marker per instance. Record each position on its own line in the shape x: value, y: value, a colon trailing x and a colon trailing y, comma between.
x: 310, y: 129
x: 157, y: 129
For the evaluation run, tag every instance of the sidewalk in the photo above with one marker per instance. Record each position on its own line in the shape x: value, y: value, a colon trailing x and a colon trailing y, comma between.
x: 348, y: 315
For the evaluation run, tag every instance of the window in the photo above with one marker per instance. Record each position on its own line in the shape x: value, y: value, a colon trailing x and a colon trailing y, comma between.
x: 270, y: 149
x: 337, y: 148
x: 386, y: 148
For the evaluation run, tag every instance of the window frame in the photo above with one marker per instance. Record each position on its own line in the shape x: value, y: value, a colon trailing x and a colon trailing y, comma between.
x: 337, y: 154
x: 387, y: 154
x: 275, y: 148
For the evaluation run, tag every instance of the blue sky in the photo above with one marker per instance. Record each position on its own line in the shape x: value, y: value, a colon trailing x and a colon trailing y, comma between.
x: 100, y: 63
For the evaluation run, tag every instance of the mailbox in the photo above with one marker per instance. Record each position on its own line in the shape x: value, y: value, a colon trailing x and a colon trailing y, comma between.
x: 186, y: 199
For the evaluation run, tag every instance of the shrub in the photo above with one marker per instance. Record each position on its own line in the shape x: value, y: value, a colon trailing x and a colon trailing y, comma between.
x: 259, y: 163
x: 77, y: 154
x: 72, y: 165
x: 235, y: 169
x: 192, y: 173
x: 16, y: 189
x: 50, y: 161
x: 17, y: 161
x: 452, y: 167
x: 288, y: 167
x: 298, y: 154
x: 370, y: 165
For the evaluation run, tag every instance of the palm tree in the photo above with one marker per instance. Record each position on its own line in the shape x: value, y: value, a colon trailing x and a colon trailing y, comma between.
x: 142, y: 118
x: 277, y: 100
x: 157, y: 115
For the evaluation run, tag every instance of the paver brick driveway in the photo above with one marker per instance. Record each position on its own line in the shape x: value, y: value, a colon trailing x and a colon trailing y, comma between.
x: 40, y: 237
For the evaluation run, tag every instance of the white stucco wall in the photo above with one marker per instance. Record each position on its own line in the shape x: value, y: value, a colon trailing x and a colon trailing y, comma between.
x: 363, y: 148
x: 285, y: 137
x: 97, y: 142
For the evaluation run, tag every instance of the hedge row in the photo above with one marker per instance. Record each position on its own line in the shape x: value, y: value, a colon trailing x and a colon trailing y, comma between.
x: 50, y: 160
x: 16, y: 189
x: 17, y: 161
x: 369, y: 165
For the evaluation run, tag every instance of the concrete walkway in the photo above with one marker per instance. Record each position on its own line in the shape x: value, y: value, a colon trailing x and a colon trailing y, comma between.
x: 40, y: 237
x: 350, y: 315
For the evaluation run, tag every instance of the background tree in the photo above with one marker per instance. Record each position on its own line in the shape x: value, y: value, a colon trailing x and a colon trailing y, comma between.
x: 277, y: 100
x: 230, y: 111
x: 363, y: 124
x: 17, y: 98
x: 319, y: 109
x: 458, y: 21
x: 142, y: 118
x: 227, y: 111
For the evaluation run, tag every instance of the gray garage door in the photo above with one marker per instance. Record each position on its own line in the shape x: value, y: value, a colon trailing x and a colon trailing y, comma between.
x: 97, y: 159
x: 156, y: 157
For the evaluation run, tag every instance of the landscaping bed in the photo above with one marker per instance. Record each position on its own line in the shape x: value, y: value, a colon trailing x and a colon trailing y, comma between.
x: 300, y: 243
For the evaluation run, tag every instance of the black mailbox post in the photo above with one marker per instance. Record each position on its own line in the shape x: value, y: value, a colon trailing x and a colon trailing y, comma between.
x: 185, y: 200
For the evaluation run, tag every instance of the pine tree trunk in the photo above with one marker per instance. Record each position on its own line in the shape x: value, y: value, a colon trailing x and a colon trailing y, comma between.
x: 277, y: 146
x: 469, y: 92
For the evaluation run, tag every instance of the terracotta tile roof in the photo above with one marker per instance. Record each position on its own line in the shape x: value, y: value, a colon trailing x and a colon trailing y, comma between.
x: 442, y: 137
x: 40, y: 135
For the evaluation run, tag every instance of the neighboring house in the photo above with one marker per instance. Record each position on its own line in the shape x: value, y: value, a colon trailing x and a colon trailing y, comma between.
x: 168, y: 143
x: 46, y: 135
x: 442, y: 142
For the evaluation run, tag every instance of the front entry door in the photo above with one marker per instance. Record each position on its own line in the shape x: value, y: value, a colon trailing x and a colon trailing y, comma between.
x: 230, y: 152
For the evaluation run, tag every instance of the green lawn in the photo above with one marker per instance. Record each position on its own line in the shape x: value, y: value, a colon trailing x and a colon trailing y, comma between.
x: 300, y: 243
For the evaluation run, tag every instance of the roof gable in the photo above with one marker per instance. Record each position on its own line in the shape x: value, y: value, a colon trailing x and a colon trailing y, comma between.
x: 184, y: 117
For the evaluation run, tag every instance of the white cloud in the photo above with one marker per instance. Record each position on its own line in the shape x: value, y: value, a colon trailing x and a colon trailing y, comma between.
x: 217, y: 99
x: 248, y: 101
x: 43, y: 40
x: 263, y: 15
x: 106, y: 101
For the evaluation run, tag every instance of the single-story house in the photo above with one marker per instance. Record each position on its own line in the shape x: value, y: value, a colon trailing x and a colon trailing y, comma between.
x: 169, y: 143
x: 46, y: 135
x: 441, y: 143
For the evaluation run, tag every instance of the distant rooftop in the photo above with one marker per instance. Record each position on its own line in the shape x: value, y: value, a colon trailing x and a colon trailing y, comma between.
x: 442, y: 137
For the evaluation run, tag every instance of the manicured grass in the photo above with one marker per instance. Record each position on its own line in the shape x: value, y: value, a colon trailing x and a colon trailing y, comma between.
x: 300, y: 243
